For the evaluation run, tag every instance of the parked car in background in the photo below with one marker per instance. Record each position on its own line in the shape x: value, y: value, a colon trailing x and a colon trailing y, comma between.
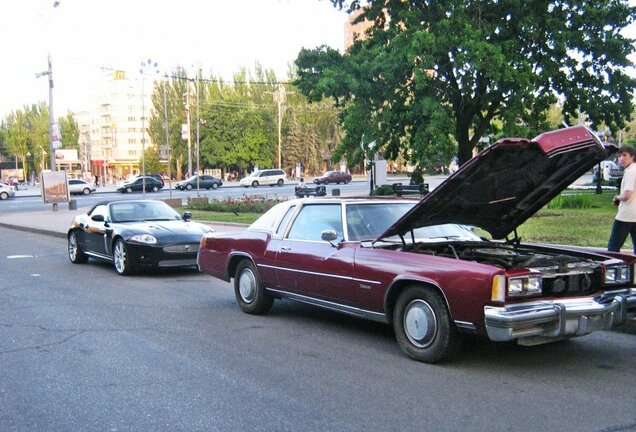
x: 205, y: 182
x: 333, y: 177
x: 6, y: 191
x: 134, y: 235
x: 136, y: 184
x: 79, y: 186
x: 419, y: 266
x: 269, y: 177
x: 158, y: 177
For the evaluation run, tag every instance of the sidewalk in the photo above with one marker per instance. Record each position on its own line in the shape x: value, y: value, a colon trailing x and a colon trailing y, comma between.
x: 57, y: 223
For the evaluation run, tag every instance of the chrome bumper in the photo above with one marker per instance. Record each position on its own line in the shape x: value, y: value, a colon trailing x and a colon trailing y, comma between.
x: 542, y: 321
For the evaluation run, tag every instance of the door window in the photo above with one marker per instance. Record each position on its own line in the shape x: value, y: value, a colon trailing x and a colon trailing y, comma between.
x: 314, y: 219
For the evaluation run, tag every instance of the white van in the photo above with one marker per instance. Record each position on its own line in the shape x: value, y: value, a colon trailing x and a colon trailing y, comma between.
x: 264, y: 177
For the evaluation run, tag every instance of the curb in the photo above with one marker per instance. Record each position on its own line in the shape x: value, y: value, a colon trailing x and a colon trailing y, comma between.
x: 33, y: 230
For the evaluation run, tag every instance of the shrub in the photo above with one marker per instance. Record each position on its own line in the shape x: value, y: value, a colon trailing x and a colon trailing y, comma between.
x: 246, y: 204
x: 571, y: 202
x: 383, y: 190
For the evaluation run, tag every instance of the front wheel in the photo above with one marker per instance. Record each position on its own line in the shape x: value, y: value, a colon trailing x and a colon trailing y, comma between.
x: 75, y: 253
x: 86, y: 191
x: 128, y: 190
x: 215, y: 185
x: 423, y: 326
x: 4, y: 196
x: 189, y: 186
x: 254, y: 183
x: 121, y: 260
x: 280, y: 182
x: 249, y: 290
x: 155, y: 189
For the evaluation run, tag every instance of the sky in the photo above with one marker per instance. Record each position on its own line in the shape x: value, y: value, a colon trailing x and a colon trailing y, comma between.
x: 89, y: 38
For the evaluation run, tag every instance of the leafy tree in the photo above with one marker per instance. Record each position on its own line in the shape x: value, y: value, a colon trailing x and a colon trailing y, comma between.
x: 70, y: 132
x: 430, y: 76
x: 153, y: 164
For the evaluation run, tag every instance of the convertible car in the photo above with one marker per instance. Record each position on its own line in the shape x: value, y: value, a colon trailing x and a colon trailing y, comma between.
x: 427, y: 268
x: 135, y: 234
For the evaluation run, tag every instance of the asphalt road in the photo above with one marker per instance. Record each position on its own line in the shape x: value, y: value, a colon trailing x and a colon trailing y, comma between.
x: 82, y: 349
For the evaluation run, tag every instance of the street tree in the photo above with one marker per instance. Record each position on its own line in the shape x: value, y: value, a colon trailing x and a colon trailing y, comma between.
x: 429, y: 77
x: 70, y: 131
x: 153, y: 164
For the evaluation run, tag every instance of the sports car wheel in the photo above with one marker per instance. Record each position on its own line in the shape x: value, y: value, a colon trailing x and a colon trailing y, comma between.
x: 254, y: 183
x: 86, y: 191
x: 74, y: 251
x: 280, y: 182
x: 249, y: 290
x: 423, y: 327
x: 215, y: 185
x: 128, y: 190
x: 4, y: 196
x: 121, y: 259
x: 189, y: 186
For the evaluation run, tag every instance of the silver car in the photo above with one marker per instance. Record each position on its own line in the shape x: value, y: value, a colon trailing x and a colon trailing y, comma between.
x: 78, y: 186
x: 6, y: 191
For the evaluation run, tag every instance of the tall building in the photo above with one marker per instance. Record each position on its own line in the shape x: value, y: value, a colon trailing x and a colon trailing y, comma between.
x: 354, y: 31
x: 111, y: 130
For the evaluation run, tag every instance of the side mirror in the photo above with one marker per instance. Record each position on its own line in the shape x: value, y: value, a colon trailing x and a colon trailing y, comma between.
x: 186, y: 215
x: 97, y: 218
x: 329, y: 236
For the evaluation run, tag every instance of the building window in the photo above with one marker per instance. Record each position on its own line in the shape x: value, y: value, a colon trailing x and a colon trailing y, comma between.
x: 132, y: 152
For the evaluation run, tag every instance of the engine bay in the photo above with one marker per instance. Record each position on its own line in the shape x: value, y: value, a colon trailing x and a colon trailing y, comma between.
x: 562, y: 274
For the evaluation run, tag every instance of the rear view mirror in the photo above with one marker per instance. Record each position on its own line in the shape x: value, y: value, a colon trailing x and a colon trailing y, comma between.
x: 329, y: 235
x: 186, y: 215
x: 97, y: 218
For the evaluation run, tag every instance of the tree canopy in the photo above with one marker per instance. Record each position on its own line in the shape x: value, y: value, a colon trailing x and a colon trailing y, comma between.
x: 429, y: 77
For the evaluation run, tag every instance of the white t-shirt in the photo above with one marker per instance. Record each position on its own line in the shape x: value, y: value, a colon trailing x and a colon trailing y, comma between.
x: 627, y: 209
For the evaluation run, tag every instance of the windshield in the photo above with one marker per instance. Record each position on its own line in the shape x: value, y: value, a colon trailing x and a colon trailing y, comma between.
x: 142, y: 211
x: 369, y: 221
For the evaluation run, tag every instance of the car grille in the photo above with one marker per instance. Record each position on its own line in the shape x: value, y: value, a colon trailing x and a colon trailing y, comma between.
x: 182, y: 248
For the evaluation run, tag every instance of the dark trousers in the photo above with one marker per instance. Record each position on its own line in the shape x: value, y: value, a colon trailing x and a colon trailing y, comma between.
x: 619, y: 235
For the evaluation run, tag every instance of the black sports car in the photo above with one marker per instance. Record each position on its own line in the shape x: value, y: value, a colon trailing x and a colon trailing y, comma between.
x: 135, y: 234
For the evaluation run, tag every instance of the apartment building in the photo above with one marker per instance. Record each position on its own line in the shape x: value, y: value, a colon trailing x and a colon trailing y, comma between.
x: 111, y: 130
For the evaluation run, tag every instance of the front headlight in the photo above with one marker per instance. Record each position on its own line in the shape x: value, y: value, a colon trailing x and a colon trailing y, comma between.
x: 524, y: 285
x: 144, y: 238
x: 617, y: 274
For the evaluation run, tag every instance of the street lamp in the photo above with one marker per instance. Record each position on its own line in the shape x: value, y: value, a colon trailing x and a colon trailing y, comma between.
x: 146, y: 66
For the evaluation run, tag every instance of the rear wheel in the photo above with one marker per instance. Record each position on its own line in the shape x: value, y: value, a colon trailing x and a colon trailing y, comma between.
x: 128, y: 190
x: 86, y: 191
x: 74, y: 251
x: 189, y: 186
x: 215, y: 185
x: 280, y: 182
x: 121, y: 260
x: 423, y: 326
x: 4, y: 196
x: 254, y: 183
x: 155, y: 189
x: 249, y: 290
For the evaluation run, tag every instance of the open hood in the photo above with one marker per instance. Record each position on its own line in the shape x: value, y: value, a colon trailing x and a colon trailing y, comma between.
x: 507, y: 183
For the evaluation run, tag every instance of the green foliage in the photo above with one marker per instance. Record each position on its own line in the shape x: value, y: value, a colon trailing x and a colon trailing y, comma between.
x: 437, y: 74
x: 383, y: 190
x: 247, y: 204
x: 70, y: 132
x: 578, y: 201
x: 153, y: 164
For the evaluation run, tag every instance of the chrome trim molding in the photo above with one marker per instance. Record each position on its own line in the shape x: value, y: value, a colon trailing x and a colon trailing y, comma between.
x: 465, y: 325
x: 320, y: 274
x: 547, y: 320
x: 349, y: 310
x: 98, y: 255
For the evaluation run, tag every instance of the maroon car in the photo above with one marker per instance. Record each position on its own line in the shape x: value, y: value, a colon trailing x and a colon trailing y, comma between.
x: 420, y: 266
x: 333, y: 177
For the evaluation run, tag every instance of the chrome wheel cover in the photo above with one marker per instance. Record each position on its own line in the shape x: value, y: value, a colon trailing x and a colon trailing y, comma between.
x: 420, y: 323
x: 247, y: 285
x: 119, y: 257
x: 72, y: 247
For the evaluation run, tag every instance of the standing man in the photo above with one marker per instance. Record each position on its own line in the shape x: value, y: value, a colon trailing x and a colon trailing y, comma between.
x: 625, y: 220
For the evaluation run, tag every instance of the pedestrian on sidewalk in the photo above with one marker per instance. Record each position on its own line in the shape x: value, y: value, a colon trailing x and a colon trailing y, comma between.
x: 625, y: 220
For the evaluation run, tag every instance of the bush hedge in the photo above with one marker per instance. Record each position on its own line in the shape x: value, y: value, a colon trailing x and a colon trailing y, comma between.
x: 246, y: 204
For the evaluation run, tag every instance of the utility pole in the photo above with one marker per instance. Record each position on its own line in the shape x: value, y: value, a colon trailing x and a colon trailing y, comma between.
x: 165, y: 113
x: 280, y: 97
x: 198, y: 141
x: 187, y: 108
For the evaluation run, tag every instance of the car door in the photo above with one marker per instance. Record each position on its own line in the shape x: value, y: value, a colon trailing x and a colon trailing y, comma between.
x: 95, y: 231
x: 308, y: 265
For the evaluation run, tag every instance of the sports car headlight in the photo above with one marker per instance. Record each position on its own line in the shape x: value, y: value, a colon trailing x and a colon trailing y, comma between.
x: 144, y: 238
x: 524, y: 285
x: 617, y: 274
